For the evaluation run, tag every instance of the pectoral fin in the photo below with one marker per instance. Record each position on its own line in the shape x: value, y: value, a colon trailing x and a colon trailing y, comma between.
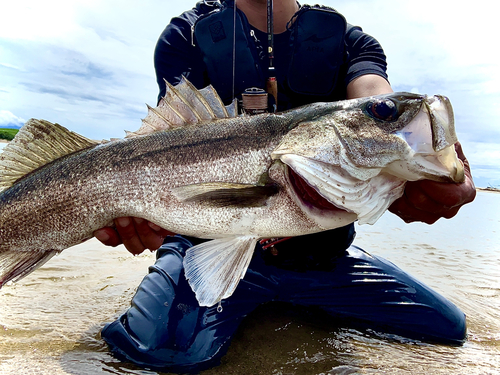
x: 219, y: 194
x: 215, y: 268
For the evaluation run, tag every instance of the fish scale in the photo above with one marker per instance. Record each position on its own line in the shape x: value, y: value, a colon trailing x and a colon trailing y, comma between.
x: 196, y: 169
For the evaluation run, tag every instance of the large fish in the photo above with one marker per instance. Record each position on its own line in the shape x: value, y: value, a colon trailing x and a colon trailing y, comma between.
x: 195, y: 168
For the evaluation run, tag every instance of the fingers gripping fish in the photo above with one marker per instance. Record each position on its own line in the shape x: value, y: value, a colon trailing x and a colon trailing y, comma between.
x: 197, y: 169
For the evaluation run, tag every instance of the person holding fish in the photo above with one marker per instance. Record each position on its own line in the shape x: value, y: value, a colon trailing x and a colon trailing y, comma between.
x: 299, y: 55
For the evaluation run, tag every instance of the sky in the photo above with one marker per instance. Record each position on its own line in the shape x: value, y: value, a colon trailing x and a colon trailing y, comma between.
x: 88, y: 64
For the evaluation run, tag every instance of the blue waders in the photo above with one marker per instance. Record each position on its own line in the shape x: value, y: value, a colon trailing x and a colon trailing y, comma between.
x: 166, y: 328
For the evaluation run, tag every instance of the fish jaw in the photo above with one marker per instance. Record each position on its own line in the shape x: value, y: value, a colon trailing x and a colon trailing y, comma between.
x: 343, y: 198
x: 442, y: 121
x: 431, y: 138
x: 360, y: 164
x: 324, y: 211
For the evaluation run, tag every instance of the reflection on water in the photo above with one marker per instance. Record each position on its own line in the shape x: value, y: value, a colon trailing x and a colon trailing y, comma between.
x: 50, y: 321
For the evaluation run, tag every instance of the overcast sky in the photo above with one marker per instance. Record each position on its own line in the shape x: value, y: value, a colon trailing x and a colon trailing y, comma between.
x: 88, y: 64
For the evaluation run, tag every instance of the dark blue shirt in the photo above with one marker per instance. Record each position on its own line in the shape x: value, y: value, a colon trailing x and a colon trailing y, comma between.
x: 176, y: 54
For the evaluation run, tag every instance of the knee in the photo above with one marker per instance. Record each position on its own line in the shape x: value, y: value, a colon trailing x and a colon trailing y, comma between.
x: 203, y: 353
x: 444, y: 323
x: 402, y: 305
x: 428, y: 316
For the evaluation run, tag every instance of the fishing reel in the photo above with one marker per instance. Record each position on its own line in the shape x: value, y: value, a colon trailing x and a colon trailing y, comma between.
x: 254, y: 101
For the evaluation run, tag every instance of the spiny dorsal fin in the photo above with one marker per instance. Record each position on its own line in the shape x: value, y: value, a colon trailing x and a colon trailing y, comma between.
x: 37, y: 143
x: 195, y: 100
x: 184, y: 105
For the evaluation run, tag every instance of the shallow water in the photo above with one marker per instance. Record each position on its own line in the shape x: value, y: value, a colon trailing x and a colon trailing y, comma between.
x: 50, y: 320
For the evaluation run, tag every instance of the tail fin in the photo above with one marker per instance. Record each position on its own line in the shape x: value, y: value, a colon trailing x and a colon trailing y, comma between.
x: 14, y: 265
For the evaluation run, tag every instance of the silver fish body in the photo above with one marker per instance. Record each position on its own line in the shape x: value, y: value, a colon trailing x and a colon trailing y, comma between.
x: 232, y: 179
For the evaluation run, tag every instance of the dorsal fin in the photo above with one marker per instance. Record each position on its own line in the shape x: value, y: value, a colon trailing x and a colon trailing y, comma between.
x: 37, y: 143
x: 184, y: 105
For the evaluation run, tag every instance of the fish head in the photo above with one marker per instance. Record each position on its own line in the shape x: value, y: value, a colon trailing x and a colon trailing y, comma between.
x: 408, y: 135
x: 358, y: 154
x: 427, y: 127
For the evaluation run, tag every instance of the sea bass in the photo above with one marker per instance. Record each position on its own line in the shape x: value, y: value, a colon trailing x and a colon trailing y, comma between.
x: 198, y: 169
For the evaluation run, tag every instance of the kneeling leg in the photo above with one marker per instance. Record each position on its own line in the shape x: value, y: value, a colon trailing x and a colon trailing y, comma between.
x: 374, y: 292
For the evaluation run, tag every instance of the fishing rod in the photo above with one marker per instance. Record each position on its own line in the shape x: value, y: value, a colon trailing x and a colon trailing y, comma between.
x: 255, y: 100
x: 271, y: 84
x: 234, y: 48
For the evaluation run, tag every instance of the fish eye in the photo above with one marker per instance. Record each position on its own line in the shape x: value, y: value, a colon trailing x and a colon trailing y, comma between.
x: 382, y: 109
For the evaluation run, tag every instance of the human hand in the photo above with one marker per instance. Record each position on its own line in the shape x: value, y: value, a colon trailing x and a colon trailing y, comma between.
x: 428, y: 201
x: 135, y: 234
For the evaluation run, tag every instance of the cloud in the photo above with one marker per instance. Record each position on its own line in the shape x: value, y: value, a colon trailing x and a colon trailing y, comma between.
x: 8, y: 119
x: 10, y: 66
x: 88, y: 69
x: 54, y: 59
x: 484, y: 154
x: 67, y: 94
x: 35, y: 20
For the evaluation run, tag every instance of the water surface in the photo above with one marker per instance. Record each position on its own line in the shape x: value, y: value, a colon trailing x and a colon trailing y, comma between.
x: 50, y: 320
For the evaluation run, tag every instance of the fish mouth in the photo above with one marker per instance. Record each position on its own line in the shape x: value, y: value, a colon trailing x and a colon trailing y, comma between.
x: 308, y: 195
x: 432, y: 137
